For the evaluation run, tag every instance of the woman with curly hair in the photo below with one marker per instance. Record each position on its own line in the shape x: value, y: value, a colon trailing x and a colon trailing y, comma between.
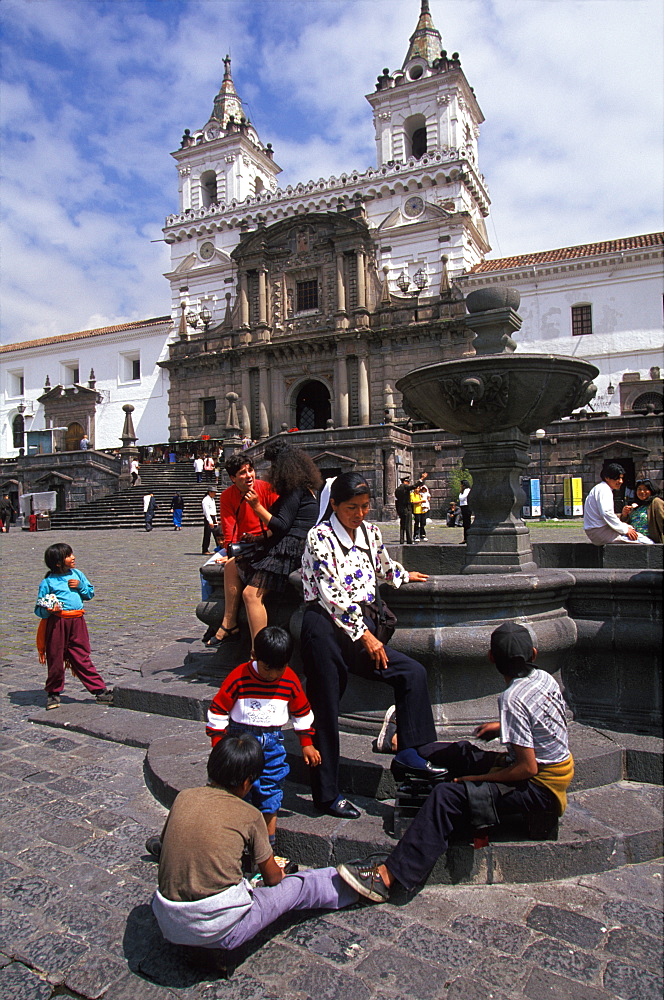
x: 296, y: 478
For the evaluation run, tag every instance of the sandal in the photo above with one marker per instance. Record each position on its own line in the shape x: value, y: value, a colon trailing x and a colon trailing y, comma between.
x: 229, y: 635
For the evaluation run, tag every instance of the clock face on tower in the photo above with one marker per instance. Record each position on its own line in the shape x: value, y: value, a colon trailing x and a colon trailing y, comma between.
x: 206, y: 251
x: 212, y: 131
x: 413, y: 206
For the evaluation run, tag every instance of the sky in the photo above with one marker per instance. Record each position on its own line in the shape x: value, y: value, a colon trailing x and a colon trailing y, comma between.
x: 95, y: 94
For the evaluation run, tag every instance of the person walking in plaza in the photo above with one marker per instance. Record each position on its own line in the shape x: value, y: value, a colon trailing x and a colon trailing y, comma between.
x: 602, y: 526
x: 260, y: 697
x: 198, y: 469
x: 177, y: 508
x: 646, y: 513
x: 209, y: 468
x: 149, y: 508
x: 62, y: 637
x: 209, y: 506
x: 202, y: 898
x: 465, y: 508
x: 343, y: 563
x: 404, y: 511
x: 6, y: 513
x: 477, y: 789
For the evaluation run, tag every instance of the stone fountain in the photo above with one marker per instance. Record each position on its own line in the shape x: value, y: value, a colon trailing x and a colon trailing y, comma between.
x: 493, y: 401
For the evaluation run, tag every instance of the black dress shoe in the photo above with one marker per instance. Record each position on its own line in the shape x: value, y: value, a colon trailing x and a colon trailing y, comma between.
x: 428, y: 773
x: 342, y: 808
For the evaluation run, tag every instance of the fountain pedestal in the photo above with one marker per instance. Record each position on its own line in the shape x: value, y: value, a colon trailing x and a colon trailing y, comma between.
x: 498, y: 541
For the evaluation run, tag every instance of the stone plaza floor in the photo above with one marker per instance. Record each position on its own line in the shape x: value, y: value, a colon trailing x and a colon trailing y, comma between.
x: 77, y: 883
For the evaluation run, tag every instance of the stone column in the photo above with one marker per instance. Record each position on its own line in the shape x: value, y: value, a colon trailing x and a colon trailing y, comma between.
x: 363, y: 390
x: 244, y: 301
x: 264, y: 390
x: 263, y: 329
x: 245, y: 404
x: 276, y: 397
x: 361, y: 313
x: 342, y: 392
x: 341, y: 315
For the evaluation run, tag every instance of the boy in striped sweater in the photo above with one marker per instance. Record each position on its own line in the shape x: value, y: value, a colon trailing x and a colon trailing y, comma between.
x: 259, y: 697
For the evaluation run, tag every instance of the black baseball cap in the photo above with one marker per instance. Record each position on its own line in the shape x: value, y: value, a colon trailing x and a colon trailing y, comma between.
x: 512, y: 644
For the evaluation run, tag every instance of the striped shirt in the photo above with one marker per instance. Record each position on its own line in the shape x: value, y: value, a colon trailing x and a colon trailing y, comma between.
x: 533, y: 714
x: 250, y: 701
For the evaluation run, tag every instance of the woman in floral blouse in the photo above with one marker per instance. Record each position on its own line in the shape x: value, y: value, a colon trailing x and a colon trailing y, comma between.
x: 343, y: 559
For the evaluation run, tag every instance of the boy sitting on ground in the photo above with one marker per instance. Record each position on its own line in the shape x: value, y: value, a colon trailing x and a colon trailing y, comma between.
x: 530, y: 781
x: 203, y: 899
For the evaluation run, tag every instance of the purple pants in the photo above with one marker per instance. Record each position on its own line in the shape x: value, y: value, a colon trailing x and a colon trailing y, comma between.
x: 67, y: 639
x: 317, y: 889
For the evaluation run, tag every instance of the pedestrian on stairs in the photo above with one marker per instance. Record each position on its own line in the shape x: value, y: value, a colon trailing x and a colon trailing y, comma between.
x: 149, y: 508
x: 177, y: 508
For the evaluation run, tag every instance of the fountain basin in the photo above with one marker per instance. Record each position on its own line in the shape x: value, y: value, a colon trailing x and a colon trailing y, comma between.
x: 495, y: 392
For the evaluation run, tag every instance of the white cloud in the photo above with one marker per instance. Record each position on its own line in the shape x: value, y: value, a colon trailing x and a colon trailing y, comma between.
x: 95, y: 96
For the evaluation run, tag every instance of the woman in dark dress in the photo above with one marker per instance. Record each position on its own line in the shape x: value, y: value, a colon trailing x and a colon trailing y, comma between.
x: 296, y: 478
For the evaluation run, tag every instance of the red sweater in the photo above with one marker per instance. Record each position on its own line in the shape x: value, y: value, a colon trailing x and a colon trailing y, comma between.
x: 237, y: 517
x: 245, y: 698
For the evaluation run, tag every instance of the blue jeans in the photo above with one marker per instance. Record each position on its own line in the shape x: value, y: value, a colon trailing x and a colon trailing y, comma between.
x: 266, y: 792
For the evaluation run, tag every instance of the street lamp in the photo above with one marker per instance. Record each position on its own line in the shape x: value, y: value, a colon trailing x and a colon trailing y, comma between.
x: 540, y: 434
x: 420, y: 280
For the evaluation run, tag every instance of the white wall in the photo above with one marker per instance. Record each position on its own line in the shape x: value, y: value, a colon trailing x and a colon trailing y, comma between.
x: 105, y: 353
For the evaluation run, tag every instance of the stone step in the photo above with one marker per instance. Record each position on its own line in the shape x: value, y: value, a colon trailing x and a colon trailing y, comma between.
x: 608, y: 823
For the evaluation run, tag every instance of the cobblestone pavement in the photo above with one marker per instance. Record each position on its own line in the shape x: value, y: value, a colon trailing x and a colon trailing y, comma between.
x: 77, y: 884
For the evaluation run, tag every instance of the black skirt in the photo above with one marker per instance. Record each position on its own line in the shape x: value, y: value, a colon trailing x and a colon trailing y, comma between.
x: 272, y: 571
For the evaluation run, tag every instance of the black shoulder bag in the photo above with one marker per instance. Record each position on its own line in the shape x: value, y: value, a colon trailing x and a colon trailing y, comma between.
x: 377, y: 610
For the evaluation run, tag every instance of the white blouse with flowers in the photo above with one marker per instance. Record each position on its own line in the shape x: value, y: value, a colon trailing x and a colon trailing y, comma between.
x: 340, y: 573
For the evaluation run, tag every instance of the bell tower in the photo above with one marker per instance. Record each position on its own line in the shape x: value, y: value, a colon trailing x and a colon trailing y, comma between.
x: 425, y: 112
x: 225, y: 161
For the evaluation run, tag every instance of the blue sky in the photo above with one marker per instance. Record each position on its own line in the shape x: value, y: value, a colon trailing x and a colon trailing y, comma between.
x: 95, y: 95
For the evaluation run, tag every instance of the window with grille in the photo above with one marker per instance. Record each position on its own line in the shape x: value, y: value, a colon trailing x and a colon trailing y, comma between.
x: 209, y: 411
x: 307, y: 295
x: 581, y: 316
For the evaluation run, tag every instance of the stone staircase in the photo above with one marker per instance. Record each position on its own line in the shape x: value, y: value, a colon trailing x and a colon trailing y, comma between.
x: 614, y: 817
x: 125, y: 508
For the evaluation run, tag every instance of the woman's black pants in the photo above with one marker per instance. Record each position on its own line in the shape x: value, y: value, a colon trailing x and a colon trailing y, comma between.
x: 328, y: 656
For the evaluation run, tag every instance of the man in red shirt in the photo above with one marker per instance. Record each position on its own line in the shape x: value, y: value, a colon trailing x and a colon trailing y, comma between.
x: 236, y: 516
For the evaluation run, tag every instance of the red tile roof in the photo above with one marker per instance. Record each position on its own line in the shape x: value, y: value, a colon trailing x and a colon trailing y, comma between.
x: 570, y: 253
x: 83, y: 334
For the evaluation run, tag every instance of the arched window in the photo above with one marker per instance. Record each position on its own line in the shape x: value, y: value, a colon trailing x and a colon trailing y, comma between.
x: 415, y: 129
x: 18, y: 430
x: 208, y: 188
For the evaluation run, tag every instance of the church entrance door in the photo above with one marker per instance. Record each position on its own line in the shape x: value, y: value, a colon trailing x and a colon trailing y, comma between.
x: 312, y: 406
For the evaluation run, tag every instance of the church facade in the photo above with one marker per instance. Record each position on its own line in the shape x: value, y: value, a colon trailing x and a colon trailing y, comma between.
x: 310, y: 302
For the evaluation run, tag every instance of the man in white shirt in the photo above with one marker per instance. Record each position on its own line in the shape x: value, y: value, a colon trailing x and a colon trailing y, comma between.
x: 209, y: 506
x: 601, y: 523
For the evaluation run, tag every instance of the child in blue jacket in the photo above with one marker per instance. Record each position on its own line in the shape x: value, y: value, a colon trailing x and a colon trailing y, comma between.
x: 62, y: 637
